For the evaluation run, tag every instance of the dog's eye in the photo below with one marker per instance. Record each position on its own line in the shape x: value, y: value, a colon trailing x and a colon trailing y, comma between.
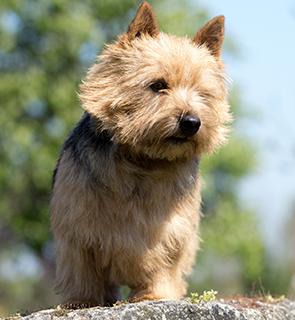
x: 159, y: 85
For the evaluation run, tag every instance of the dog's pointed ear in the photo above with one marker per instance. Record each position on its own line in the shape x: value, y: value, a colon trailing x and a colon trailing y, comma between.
x: 212, y: 35
x: 144, y: 22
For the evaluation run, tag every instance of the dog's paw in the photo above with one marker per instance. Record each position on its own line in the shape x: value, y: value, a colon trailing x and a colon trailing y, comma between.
x: 76, y: 305
x: 144, y: 297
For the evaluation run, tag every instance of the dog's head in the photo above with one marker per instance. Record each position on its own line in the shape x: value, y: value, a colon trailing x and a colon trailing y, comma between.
x: 161, y: 95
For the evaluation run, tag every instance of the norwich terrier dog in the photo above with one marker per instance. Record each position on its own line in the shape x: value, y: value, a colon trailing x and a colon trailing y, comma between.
x: 126, y: 196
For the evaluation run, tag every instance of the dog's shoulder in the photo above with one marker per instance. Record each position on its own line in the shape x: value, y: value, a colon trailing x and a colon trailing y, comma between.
x: 87, y: 140
x: 87, y: 134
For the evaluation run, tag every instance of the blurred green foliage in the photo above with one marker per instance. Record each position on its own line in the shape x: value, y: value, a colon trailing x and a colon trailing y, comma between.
x: 46, y: 48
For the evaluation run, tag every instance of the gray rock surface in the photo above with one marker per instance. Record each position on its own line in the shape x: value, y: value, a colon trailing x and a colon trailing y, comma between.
x: 175, y: 310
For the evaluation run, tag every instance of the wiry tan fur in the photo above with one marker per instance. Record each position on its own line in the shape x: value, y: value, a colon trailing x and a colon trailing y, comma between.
x: 125, y: 211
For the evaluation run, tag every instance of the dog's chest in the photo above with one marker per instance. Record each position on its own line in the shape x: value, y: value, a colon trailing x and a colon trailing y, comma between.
x: 141, y: 210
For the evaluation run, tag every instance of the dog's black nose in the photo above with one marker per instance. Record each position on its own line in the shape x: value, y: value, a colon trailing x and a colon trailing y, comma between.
x: 189, y: 125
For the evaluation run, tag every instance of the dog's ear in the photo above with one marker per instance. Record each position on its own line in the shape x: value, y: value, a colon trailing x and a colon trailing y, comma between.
x: 212, y: 35
x: 144, y: 22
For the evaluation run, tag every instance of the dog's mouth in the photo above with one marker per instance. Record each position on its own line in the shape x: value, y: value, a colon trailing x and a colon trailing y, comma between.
x: 177, y: 140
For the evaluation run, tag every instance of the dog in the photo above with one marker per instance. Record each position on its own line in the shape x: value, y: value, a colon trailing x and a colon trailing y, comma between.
x: 125, y: 205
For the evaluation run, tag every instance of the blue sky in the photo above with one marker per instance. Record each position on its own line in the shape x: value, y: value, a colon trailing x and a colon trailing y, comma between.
x: 264, y: 31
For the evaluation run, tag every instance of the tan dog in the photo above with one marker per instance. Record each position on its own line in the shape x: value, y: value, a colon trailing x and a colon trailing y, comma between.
x: 126, y: 198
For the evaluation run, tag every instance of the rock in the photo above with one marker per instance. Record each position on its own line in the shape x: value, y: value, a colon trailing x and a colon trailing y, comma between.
x: 241, y: 309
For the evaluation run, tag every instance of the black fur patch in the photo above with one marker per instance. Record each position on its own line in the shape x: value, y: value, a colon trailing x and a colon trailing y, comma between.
x: 85, y: 136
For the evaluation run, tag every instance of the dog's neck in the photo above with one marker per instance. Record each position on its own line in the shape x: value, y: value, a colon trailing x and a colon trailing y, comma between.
x: 143, y: 161
x: 150, y: 165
